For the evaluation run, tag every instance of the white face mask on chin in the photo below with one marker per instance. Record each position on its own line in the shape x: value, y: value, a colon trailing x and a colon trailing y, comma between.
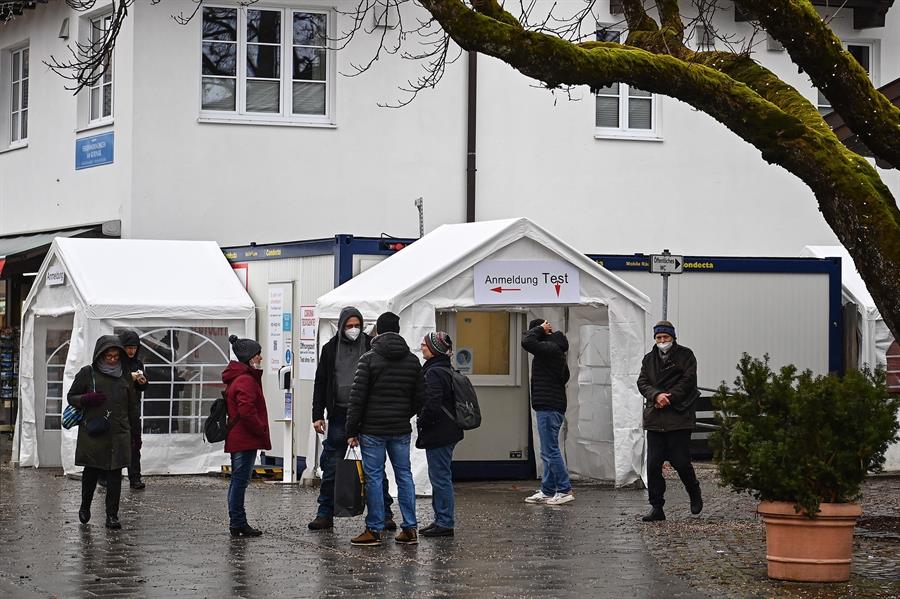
x: 352, y: 333
x: 664, y: 347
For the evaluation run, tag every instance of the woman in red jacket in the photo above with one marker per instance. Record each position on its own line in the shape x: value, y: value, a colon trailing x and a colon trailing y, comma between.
x: 248, y: 426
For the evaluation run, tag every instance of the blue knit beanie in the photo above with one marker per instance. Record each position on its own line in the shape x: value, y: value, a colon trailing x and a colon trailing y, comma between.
x: 664, y: 326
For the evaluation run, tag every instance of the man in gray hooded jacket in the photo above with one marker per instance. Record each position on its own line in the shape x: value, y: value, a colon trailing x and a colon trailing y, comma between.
x: 331, y: 394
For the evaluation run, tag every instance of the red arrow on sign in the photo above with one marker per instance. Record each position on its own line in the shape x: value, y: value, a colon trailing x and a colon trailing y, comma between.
x: 502, y: 289
x: 557, y: 285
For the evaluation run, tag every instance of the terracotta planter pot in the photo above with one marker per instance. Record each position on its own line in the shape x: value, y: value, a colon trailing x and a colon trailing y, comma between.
x: 809, y: 549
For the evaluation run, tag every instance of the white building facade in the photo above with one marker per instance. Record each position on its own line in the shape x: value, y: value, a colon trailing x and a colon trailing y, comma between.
x: 243, y: 126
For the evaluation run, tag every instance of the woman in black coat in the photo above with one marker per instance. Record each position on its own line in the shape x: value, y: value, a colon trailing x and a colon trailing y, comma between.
x: 105, y: 394
x: 438, y: 432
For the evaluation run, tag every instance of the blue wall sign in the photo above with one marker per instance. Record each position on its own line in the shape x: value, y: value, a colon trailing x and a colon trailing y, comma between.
x: 95, y: 150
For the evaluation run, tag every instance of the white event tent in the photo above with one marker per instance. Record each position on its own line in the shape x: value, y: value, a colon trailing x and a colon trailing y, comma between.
x: 874, y: 336
x: 182, y: 298
x: 605, y: 322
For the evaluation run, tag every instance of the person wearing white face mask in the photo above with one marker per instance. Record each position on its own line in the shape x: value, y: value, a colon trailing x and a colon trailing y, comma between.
x: 331, y: 394
x: 668, y: 383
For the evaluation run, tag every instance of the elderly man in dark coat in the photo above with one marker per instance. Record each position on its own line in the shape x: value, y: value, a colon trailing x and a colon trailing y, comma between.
x: 105, y: 394
x: 668, y: 382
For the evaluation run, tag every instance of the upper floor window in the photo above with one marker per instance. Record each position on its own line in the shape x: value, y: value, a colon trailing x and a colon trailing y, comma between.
x: 18, y: 102
x: 864, y: 53
x: 266, y: 64
x: 624, y: 111
x: 101, y: 91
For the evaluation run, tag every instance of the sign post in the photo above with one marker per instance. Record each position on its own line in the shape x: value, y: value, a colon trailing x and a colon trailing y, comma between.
x: 666, y: 264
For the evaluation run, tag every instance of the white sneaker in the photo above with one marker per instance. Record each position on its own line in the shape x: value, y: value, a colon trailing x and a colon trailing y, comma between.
x: 538, y: 497
x: 561, y: 498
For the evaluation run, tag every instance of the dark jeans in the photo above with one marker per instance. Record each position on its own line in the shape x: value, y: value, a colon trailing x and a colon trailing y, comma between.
x: 241, y: 468
x: 333, y: 449
x: 674, y: 447
x: 134, y: 469
x: 440, y: 474
x: 89, y: 479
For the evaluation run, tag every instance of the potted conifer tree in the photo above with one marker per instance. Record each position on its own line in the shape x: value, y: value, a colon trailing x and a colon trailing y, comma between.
x: 802, y: 445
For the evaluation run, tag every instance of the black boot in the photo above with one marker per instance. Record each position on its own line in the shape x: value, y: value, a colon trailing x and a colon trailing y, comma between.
x: 84, y: 514
x: 321, y: 523
x: 696, y: 500
x: 245, y: 531
x: 654, y: 515
x: 113, y: 522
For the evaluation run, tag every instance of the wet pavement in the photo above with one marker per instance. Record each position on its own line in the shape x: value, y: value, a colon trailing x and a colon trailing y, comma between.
x: 175, y: 542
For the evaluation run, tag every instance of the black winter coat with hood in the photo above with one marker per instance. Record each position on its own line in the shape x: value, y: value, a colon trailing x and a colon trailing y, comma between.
x: 110, y: 450
x: 325, y: 388
x: 675, y: 373
x: 549, y: 370
x: 435, y: 427
x: 130, y: 338
x: 388, y: 389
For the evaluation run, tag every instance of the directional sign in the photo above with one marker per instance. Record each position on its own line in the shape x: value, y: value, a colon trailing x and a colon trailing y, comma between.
x: 666, y: 264
x: 526, y: 282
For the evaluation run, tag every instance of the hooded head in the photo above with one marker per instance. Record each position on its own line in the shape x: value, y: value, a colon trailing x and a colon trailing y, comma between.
x: 535, y: 323
x: 387, y: 323
x: 244, y: 349
x: 346, y: 314
x: 104, y: 343
x: 129, y: 338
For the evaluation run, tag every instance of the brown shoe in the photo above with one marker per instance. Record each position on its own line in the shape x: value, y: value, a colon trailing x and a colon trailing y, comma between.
x: 407, y: 536
x: 368, y: 538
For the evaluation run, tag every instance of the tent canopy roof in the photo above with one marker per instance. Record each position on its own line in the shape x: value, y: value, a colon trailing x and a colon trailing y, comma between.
x: 449, y: 250
x: 129, y: 278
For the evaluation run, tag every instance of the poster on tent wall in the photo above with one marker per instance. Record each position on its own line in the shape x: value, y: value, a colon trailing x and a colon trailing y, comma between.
x: 280, y: 324
x: 306, y: 353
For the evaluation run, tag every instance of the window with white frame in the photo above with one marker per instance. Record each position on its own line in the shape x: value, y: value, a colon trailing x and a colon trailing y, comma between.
x: 184, y: 368
x: 864, y: 53
x: 57, y: 349
x: 100, y: 92
x: 265, y: 63
x: 18, y: 102
x: 623, y: 110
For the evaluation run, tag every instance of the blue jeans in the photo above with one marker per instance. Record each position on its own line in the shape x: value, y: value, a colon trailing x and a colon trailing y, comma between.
x: 556, y: 476
x: 441, y: 477
x: 373, y: 454
x: 241, y: 468
x: 333, y: 449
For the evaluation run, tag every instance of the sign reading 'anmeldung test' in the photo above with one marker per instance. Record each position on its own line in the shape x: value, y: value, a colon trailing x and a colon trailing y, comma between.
x: 526, y: 282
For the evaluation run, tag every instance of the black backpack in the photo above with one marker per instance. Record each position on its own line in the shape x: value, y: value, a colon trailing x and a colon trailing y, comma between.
x: 216, y: 427
x: 468, y: 414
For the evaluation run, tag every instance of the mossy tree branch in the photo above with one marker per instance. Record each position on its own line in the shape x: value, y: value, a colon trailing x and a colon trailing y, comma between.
x: 748, y: 99
x: 818, y: 51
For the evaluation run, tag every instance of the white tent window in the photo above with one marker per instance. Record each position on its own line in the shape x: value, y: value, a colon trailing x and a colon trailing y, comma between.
x: 184, y: 368
x: 57, y: 350
x: 486, y: 345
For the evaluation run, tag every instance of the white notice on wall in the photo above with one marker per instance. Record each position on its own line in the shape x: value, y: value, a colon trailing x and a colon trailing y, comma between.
x: 280, y: 325
x: 513, y: 282
x: 306, y: 360
x: 308, y: 323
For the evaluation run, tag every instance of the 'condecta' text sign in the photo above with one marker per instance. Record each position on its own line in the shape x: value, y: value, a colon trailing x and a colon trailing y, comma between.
x: 526, y: 282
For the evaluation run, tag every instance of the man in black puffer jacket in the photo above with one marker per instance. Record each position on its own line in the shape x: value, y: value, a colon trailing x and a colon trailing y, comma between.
x: 668, y: 382
x: 549, y: 375
x: 388, y: 390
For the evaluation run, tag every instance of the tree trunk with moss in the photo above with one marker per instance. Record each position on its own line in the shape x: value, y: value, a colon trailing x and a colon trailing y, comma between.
x: 745, y: 97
